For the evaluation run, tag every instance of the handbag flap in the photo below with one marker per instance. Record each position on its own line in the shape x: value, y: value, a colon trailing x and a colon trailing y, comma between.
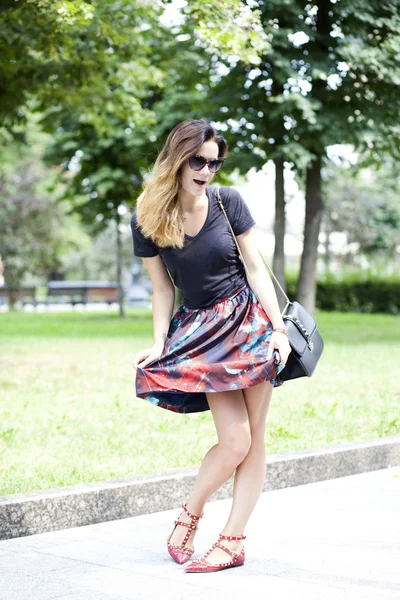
x: 302, y: 320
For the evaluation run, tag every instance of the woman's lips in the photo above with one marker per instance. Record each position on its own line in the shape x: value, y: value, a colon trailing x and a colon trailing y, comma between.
x: 199, y: 182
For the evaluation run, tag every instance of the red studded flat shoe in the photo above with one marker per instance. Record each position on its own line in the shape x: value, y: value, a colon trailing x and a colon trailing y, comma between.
x: 203, y: 566
x: 181, y: 553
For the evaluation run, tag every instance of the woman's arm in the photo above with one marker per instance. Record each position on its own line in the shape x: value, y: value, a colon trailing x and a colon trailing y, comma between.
x: 261, y: 283
x: 163, y: 302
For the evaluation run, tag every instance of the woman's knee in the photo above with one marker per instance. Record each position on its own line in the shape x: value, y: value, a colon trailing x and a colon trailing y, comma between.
x: 236, y: 444
x: 232, y: 424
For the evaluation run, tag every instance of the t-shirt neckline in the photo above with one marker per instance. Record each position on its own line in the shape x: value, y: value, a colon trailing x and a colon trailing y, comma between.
x: 193, y: 237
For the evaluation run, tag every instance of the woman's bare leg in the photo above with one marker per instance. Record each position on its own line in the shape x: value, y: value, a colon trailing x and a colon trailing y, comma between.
x: 231, y: 421
x: 250, y: 473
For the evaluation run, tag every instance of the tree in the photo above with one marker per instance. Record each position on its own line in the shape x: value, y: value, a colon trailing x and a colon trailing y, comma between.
x: 88, y: 67
x: 94, y: 259
x: 103, y: 171
x: 334, y: 79
x: 363, y: 204
x: 29, y: 227
x: 75, y: 58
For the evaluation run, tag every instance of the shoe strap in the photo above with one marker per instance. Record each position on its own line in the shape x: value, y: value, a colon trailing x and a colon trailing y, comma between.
x: 231, y: 537
x: 192, y: 526
x: 190, y: 514
x: 189, y: 525
x: 218, y: 545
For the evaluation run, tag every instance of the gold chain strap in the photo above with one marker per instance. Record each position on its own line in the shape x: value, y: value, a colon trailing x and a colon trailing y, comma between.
x: 288, y: 303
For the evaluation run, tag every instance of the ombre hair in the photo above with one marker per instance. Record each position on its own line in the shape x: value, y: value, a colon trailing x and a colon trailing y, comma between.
x: 158, y: 213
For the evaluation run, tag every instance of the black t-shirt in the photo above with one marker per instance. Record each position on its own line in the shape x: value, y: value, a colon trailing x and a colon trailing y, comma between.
x: 208, y: 267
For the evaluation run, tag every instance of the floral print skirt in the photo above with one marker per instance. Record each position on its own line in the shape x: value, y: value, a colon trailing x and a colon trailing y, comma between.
x: 221, y: 347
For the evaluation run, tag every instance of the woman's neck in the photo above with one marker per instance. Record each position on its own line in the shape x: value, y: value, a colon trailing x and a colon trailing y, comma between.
x: 190, y: 202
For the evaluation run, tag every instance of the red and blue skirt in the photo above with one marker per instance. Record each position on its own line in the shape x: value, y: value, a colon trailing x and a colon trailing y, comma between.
x: 213, y: 349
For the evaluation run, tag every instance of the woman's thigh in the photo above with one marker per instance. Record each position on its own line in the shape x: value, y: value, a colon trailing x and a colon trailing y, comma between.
x: 231, y: 419
x: 257, y: 399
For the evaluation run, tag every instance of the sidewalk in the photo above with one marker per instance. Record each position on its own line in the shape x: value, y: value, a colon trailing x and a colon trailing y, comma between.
x: 322, y: 541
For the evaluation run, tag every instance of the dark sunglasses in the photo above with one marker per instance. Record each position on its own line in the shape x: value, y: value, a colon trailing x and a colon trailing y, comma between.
x: 198, y: 162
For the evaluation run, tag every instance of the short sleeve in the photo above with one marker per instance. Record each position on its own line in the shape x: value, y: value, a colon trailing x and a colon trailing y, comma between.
x: 237, y: 210
x: 142, y: 246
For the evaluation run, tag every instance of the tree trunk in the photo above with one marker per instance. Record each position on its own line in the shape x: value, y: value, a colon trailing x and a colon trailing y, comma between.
x: 327, y: 258
x: 306, y: 289
x: 13, y: 283
x: 119, y: 269
x: 12, y: 298
x: 278, y: 264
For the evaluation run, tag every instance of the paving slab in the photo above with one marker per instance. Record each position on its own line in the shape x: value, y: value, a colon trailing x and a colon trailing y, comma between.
x: 330, y: 540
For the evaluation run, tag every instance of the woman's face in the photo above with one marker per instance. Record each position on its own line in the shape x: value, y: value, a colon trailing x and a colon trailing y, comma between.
x: 190, y: 179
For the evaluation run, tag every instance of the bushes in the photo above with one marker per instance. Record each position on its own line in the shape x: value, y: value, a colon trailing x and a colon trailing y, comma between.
x: 356, y: 293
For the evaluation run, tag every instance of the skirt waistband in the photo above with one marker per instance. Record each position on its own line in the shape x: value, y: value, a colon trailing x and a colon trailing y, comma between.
x: 224, y: 299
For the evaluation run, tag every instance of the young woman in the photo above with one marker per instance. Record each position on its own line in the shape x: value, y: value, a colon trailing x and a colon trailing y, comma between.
x: 224, y: 347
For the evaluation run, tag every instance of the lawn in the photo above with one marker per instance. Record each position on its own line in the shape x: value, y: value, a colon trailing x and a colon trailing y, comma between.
x: 68, y: 412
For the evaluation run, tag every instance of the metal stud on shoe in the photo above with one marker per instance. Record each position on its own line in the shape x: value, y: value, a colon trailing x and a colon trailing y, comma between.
x: 181, y: 553
x: 203, y: 566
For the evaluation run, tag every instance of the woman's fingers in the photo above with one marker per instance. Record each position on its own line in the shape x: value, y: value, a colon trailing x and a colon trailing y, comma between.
x: 145, y: 362
x: 281, y: 346
x: 284, y: 355
x: 143, y: 358
x: 146, y: 358
x: 139, y: 357
x: 280, y: 356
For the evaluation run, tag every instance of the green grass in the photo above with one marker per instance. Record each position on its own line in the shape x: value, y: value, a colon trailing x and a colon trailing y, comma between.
x: 68, y: 411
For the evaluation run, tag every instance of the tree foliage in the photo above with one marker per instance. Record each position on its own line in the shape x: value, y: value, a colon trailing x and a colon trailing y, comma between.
x: 282, y: 80
x: 330, y: 76
x: 76, y: 57
x: 30, y: 225
x: 364, y: 205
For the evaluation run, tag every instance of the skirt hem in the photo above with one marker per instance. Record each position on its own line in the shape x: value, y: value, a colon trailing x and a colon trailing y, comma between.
x: 215, y: 349
x: 199, y: 399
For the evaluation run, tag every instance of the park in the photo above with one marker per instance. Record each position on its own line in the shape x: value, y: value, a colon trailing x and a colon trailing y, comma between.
x: 91, y: 476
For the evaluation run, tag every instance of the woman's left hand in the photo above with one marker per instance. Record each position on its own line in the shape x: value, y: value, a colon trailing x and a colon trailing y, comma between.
x: 279, y: 341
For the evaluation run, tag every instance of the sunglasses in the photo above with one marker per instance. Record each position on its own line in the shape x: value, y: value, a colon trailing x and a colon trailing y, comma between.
x: 198, y: 162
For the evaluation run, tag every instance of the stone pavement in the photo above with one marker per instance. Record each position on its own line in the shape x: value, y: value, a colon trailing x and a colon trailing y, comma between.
x: 322, y: 541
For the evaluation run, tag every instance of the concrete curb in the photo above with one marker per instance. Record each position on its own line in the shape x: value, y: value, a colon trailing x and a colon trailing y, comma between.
x: 84, y: 504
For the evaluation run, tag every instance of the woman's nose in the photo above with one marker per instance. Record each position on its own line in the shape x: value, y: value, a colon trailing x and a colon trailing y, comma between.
x: 204, y: 171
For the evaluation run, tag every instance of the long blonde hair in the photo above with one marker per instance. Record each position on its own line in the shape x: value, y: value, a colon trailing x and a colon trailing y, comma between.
x: 158, y: 213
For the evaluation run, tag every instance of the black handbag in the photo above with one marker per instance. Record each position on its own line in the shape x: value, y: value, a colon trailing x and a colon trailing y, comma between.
x: 304, y: 339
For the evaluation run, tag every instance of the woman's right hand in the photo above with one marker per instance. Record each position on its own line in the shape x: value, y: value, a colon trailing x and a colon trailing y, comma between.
x: 143, y: 358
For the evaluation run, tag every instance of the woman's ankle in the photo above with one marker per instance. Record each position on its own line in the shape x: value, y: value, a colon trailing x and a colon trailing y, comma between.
x: 232, y: 532
x: 194, y: 508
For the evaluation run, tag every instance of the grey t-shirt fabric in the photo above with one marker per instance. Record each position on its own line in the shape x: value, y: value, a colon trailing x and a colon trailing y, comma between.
x: 208, y: 267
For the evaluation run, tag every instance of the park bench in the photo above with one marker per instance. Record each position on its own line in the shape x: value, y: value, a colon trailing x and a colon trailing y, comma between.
x: 24, y: 294
x: 81, y: 292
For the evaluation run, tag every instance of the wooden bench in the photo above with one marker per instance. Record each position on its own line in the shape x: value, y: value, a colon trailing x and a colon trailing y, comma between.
x: 25, y: 294
x: 81, y: 292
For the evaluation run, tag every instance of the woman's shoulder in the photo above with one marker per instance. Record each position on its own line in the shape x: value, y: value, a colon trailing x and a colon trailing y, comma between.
x: 143, y: 246
x: 230, y: 197
x: 134, y: 224
x: 237, y: 210
x: 227, y: 193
